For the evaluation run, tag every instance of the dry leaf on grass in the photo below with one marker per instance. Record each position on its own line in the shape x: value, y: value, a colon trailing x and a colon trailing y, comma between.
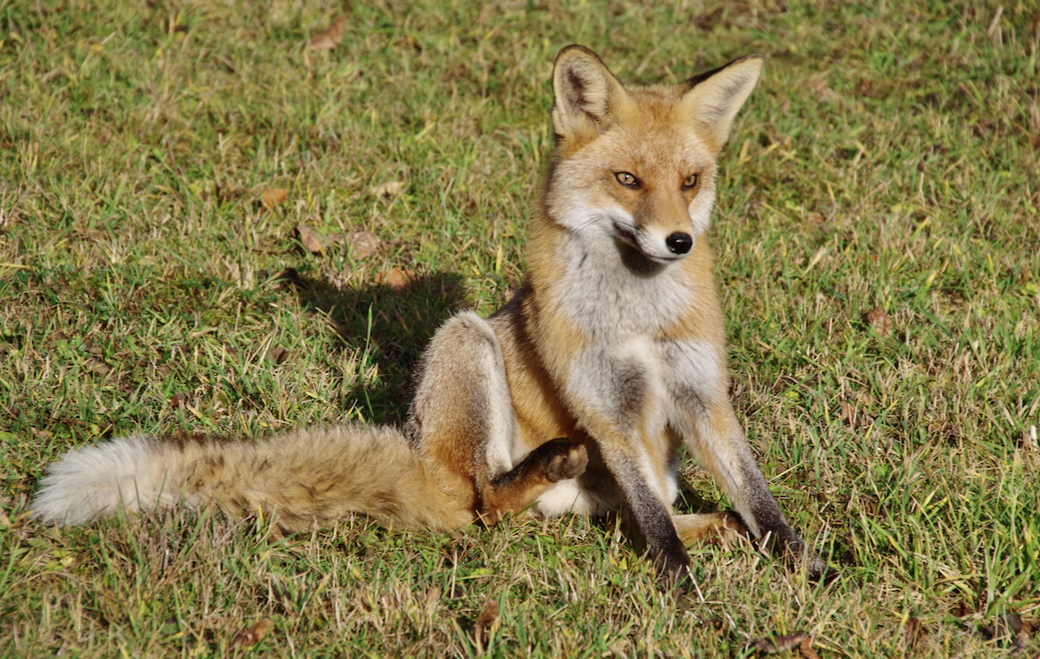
x: 330, y: 37
x: 1011, y: 627
x: 880, y: 321
x: 396, y: 279
x: 311, y: 239
x: 276, y: 355
x: 388, y: 189
x: 487, y: 623
x: 912, y: 633
x: 274, y: 198
x: 252, y: 635
x: 822, y: 90
x: 433, y: 598
x: 178, y: 401
x: 806, y: 648
x: 363, y: 243
x: 775, y: 644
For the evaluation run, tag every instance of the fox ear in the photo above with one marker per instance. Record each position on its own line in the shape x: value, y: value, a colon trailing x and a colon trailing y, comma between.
x: 713, y: 98
x: 585, y: 91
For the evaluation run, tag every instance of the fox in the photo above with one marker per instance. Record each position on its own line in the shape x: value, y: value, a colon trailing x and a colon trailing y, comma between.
x: 574, y: 397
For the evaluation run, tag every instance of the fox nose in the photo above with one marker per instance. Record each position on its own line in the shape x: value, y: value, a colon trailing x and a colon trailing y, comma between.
x: 679, y: 242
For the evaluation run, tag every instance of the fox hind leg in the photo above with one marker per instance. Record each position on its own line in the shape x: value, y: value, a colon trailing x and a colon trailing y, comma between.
x: 463, y: 421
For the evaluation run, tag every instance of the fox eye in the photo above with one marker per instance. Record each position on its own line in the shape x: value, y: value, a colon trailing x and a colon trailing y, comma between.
x: 627, y: 180
x: 690, y: 182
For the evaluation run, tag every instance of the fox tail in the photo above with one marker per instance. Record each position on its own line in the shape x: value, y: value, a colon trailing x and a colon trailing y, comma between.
x: 308, y: 476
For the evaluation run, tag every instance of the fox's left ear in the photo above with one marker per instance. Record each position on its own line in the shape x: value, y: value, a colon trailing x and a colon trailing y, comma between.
x: 713, y: 98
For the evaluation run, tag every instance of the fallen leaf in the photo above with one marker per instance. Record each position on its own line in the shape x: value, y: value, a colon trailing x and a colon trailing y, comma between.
x: 775, y: 644
x: 848, y: 413
x: 276, y: 355
x: 388, y: 189
x: 912, y: 632
x: 98, y: 367
x: 433, y: 598
x: 252, y: 635
x: 311, y: 239
x: 1007, y: 626
x: 363, y: 243
x: 1021, y: 641
x: 487, y: 623
x: 274, y: 198
x: 177, y: 401
x: 822, y: 90
x: 330, y: 37
x: 396, y: 279
x: 806, y: 648
x: 880, y: 321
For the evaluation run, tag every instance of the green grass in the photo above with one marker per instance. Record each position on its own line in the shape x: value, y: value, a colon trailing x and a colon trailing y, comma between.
x: 887, y: 159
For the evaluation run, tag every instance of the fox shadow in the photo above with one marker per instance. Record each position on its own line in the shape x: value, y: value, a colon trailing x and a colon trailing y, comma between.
x: 392, y: 325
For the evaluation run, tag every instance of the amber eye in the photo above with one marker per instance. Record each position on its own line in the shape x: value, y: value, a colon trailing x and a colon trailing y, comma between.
x: 690, y: 182
x: 627, y: 180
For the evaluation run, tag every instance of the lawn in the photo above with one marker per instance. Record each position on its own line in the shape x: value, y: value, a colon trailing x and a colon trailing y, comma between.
x: 183, y: 193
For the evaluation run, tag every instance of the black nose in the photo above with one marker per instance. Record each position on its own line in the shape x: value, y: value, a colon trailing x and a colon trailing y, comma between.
x: 679, y: 242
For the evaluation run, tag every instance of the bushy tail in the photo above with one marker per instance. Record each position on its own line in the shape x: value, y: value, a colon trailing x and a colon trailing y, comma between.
x: 303, y: 477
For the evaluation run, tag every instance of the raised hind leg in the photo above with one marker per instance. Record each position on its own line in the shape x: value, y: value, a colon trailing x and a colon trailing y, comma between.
x: 463, y: 422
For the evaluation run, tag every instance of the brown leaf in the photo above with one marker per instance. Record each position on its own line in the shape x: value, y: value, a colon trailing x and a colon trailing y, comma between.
x: 775, y: 644
x: 388, y: 189
x: 252, y: 635
x: 330, y: 37
x: 433, y: 598
x: 1007, y: 626
x: 822, y: 90
x: 487, y: 623
x: 880, y: 321
x: 276, y: 355
x: 177, y: 401
x: 396, y: 279
x: 98, y: 367
x: 311, y: 239
x: 1021, y: 641
x: 363, y: 243
x: 912, y: 632
x: 274, y: 198
x: 806, y: 648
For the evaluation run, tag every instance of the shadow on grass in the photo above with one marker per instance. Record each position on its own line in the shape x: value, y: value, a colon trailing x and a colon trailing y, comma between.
x: 394, y: 324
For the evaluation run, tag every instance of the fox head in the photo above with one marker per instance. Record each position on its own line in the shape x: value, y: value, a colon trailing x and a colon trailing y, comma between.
x: 637, y: 164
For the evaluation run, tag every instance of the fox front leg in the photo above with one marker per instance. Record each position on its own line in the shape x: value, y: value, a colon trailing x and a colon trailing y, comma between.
x: 718, y: 444
x: 617, y: 401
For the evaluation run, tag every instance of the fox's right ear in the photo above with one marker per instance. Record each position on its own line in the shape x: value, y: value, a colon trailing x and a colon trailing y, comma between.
x: 586, y: 92
x: 713, y: 98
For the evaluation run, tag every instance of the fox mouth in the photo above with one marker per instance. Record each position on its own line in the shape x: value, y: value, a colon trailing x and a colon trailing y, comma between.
x: 630, y: 235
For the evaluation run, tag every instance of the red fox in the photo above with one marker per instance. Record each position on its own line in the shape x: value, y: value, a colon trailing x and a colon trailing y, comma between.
x: 574, y: 397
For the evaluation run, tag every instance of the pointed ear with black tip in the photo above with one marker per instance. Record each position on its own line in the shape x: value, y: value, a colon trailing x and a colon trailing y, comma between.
x: 586, y: 92
x: 713, y: 98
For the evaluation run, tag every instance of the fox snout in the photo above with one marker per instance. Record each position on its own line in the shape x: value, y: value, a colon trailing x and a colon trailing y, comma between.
x: 652, y: 244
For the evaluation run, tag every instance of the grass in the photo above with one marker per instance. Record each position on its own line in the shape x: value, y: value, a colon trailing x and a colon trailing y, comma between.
x: 887, y: 161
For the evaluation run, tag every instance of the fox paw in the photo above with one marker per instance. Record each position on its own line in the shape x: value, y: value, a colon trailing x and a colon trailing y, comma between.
x: 566, y: 459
